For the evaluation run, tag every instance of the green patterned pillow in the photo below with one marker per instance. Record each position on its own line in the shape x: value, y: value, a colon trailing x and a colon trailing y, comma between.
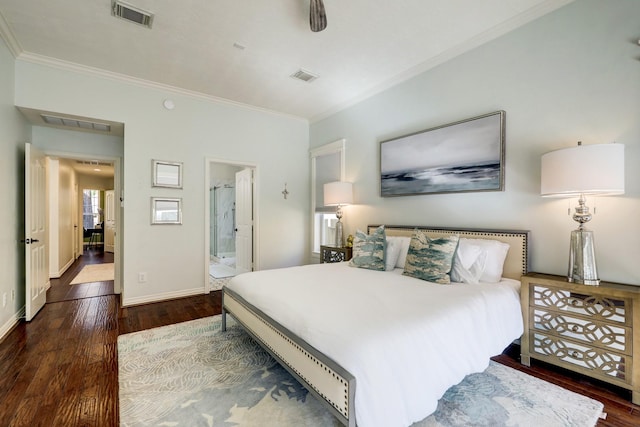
x: 368, y: 250
x: 430, y: 259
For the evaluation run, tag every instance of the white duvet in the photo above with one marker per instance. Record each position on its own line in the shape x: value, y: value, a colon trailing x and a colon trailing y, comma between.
x: 405, y: 340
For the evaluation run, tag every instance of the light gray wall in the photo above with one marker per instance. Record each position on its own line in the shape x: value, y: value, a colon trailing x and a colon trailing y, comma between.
x: 14, y: 132
x: 571, y: 75
x: 68, y: 141
x: 174, y: 257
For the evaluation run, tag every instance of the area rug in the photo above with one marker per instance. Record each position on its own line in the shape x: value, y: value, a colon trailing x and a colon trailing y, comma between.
x: 94, y: 273
x: 192, y: 374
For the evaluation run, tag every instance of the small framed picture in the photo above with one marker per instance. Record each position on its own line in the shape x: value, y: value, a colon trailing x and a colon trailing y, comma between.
x: 166, y: 174
x: 166, y: 210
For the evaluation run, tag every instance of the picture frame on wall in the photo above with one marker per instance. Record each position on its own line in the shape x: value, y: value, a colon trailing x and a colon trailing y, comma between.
x: 464, y: 156
x: 166, y: 210
x: 166, y: 174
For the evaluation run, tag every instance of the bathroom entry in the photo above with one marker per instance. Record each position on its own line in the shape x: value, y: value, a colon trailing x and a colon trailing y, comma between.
x: 222, y: 221
x: 223, y: 199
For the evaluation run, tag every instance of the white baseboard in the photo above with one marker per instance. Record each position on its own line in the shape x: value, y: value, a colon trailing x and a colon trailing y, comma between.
x: 126, y: 302
x: 9, y: 324
x: 57, y: 275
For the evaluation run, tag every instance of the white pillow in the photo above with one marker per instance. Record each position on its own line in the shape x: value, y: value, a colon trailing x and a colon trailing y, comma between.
x: 488, y: 264
x: 392, y: 251
x: 403, y: 249
x: 468, y: 263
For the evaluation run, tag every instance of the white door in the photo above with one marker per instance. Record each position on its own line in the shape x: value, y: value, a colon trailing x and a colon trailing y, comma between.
x: 109, y: 220
x: 244, y: 220
x: 75, y: 219
x: 37, y: 262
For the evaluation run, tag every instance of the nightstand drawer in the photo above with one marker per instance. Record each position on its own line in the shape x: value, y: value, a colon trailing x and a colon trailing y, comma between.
x: 594, y: 307
x: 608, y: 336
x: 599, y: 363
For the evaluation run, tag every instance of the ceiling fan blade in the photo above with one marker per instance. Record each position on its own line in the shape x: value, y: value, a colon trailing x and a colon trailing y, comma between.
x: 317, y: 16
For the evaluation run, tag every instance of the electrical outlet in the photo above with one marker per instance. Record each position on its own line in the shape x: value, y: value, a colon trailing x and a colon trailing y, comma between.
x: 4, y: 299
x: 142, y: 277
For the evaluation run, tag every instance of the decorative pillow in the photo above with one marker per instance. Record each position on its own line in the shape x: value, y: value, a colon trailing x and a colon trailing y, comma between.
x: 403, y: 249
x: 468, y: 262
x: 368, y: 250
x: 494, y: 264
x: 488, y: 265
x: 430, y: 259
x: 391, y: 253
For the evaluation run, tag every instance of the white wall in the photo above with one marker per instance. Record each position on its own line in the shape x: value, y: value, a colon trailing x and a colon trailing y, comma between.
x: 66, y: 205
x: 568, y: 76
x: 62, y: 141
x: 174, y: 256
x: 61, y: 180
x: 14, y: 132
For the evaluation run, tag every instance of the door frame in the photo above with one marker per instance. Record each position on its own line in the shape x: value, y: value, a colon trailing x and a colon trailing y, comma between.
x: 117, y: 188
x: 207, y: 212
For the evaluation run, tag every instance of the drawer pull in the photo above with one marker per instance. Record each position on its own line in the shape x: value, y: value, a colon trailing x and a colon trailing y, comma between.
x: 574, y: 328
x: 574, y: 302
x: 574, y: 354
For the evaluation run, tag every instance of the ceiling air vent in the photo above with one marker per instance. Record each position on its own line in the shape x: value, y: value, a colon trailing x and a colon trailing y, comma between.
x: 82, y: 124
x: 93, y: 163
x: 131, y: 13
x: 303, y: 75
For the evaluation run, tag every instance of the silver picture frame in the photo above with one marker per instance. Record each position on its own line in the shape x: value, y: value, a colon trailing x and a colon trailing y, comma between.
x: 464, y: 156
x: 166, y: 210
x: 166, y: 174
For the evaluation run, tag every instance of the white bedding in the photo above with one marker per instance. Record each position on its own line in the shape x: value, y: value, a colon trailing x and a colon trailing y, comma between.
x: 405, y: 340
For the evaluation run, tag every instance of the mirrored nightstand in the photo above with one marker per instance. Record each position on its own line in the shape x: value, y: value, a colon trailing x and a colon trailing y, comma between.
x: 334, y: 254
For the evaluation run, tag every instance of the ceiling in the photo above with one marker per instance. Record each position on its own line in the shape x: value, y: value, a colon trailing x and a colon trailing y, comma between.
x: 245, y: 51
x: 98, y: 168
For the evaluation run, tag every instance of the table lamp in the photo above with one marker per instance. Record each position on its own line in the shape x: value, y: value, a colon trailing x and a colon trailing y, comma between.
x: 338, y: 194
x: 596, y: 169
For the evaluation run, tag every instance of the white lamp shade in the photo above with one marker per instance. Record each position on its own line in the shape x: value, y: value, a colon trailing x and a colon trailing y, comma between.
x: 596, y: 169
x: 338, y: 193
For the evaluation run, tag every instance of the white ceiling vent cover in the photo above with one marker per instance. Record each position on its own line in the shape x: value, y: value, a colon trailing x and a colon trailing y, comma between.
x: 304, y: 75
x: 93, y: 163
x: 75, y: 123
x: 131, y: 13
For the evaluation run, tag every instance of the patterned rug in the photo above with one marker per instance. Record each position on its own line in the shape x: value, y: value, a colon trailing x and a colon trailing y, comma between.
x: 192, y: 374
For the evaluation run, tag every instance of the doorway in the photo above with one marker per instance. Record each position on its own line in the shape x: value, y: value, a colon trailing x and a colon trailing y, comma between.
x: 95, y: 219
x: 230, y: 221
x: 89, y: 270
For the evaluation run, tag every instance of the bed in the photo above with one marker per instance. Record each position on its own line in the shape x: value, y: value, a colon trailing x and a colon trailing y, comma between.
x: 379, y: 348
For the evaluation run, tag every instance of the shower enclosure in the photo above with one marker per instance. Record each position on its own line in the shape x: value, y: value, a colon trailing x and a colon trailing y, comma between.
x: 223, y: 226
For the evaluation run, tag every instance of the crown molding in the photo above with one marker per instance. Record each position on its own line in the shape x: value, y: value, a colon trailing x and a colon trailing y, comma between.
x: 7, y: 35
x: 98, y: 72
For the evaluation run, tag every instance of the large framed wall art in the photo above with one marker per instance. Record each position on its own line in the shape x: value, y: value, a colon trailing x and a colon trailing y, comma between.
x: 464, y: 156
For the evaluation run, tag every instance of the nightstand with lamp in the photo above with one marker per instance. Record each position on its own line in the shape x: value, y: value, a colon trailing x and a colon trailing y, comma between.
x: 579, y: 322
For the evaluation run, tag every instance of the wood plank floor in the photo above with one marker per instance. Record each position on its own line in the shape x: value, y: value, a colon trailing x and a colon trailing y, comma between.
x: 60, y: 289
x: 61, y: 369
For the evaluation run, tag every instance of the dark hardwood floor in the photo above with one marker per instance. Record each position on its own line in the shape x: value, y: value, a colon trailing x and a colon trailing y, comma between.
x: 60, y: 289
x: 61, y: 369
